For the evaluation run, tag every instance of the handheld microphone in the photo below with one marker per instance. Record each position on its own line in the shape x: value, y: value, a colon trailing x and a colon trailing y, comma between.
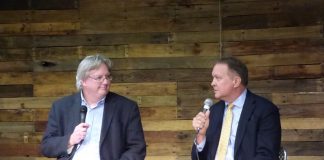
x: 207, y: 104
x: 83, y: 113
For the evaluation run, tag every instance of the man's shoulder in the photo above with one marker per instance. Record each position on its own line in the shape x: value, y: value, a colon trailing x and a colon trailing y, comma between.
x: 119, y: 98
x: 67, y: 99
x: 260, y: 100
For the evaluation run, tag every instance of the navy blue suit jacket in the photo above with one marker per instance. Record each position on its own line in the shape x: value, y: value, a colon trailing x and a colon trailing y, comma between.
x: 258, y: 134
x: 121, y: 137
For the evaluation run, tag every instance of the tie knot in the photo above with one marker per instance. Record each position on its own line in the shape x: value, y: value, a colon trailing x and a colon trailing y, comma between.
x: 230, y: 106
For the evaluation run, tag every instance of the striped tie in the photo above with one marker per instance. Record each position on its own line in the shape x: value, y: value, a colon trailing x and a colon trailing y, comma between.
x: 226, y: 130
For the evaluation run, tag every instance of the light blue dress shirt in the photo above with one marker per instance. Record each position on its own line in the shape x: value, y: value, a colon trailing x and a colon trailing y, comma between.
x: 89, y: 149
x: 237, y: 110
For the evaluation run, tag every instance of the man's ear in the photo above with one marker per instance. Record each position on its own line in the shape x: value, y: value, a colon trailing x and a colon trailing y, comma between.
x: 237, y: 81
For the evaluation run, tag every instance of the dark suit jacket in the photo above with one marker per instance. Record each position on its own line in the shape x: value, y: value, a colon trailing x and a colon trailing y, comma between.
x: 258, y: 134
x: 121, y: 137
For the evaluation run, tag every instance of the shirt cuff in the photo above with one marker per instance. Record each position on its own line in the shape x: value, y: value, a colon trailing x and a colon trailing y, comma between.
x: 200, y: 146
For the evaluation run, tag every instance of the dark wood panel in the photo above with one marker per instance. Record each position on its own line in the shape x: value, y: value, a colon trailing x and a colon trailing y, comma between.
x: 103, y: 39
x: 20, y: 115
x: 19, y: 149
x: 14, y: 4
x: 304, y: 148
x: 302, y: 110
x: 294, y: 135
x: 9, y: 91
x: 279, y: 46
x: 15, y: 54
x: 54, y: 4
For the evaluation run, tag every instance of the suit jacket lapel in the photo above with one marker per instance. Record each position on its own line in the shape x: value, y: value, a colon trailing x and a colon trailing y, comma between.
x: 109, y: 109
x: 75, y: 111
x: 247, y: 111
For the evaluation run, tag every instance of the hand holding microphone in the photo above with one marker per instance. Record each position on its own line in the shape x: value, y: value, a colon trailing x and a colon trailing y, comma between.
x: 80, y: 131
x: 201, y: 120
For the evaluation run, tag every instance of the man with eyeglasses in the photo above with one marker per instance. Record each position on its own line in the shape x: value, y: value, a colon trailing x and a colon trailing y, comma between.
x: 112, y: 128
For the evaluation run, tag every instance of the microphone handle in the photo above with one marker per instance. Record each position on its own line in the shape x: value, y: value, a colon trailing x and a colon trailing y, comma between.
x: 204, y: 111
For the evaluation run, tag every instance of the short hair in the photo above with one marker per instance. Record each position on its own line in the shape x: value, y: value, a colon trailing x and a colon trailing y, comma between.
x: 236, y: 66
x: 90, y: 63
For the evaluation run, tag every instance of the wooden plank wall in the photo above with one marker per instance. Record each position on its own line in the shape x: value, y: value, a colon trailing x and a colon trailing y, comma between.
x: 163, y: 52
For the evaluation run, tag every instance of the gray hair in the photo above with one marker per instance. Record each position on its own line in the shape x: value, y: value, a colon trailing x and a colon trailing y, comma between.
x: 90, y: 63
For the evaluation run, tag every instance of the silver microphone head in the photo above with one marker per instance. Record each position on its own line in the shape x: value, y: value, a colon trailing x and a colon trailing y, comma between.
x: 207, y: 103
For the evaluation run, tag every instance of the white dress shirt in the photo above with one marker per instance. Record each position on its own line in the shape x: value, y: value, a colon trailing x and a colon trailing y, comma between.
x: 237, y: 110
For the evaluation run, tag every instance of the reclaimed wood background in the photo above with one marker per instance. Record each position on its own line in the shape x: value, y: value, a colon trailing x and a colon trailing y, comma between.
x: 163, y: 52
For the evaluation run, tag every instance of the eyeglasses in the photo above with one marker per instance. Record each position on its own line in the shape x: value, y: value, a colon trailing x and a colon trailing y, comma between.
x: 102, y: 78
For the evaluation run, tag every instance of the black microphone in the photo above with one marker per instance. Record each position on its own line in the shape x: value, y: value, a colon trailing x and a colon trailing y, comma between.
x: 207, y: 104
x: 83, y: 113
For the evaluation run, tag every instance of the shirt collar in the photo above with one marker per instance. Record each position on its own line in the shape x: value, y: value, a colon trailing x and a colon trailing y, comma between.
x: 239, y: 102
x: 84, y: 102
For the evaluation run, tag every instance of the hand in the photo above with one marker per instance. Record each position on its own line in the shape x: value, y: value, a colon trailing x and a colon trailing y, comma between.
x: 79, y: 133
x: 201, y: 121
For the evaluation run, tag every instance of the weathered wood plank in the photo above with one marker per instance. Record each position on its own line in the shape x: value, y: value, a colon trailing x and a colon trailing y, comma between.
x: 16, y: 66
x: 166, y: 125
x: 298, y: 98
x: 281, y: 59
x: 54, y: 4
x: 39, y: 28
x: 172, y: 50
x: 19, y: 149
x: 272, y: 14
x: 167, y: 157
x: 302, y: 123
x: 98, y: 40
x: 250, y: 8
x: 21, y: 137
x: 165, y: 62
x: 286, y: 86
x: 195, y: 24
x: 15, y: 55
x: 298, y: 71
x: 168, y: 148
x: 12, y: 78
x: 15, y: 15
x: 279, y: 46
x: 195, y: 11
x: 195, y: 37
x: 10, y: 91
x: 304, y: 148
x: 17, y: 127
x: 26, y: 102
x: 169, y: 136
x: 273, y: 33
x: 66, y: 15
x: 302, y: 110
x: 302, y: 135
x: 16, y: 42
x: 149, y: 12
x: 21, y: 115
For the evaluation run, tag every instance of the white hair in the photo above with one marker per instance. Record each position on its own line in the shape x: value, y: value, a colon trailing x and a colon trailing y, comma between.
x: 90, y: 63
